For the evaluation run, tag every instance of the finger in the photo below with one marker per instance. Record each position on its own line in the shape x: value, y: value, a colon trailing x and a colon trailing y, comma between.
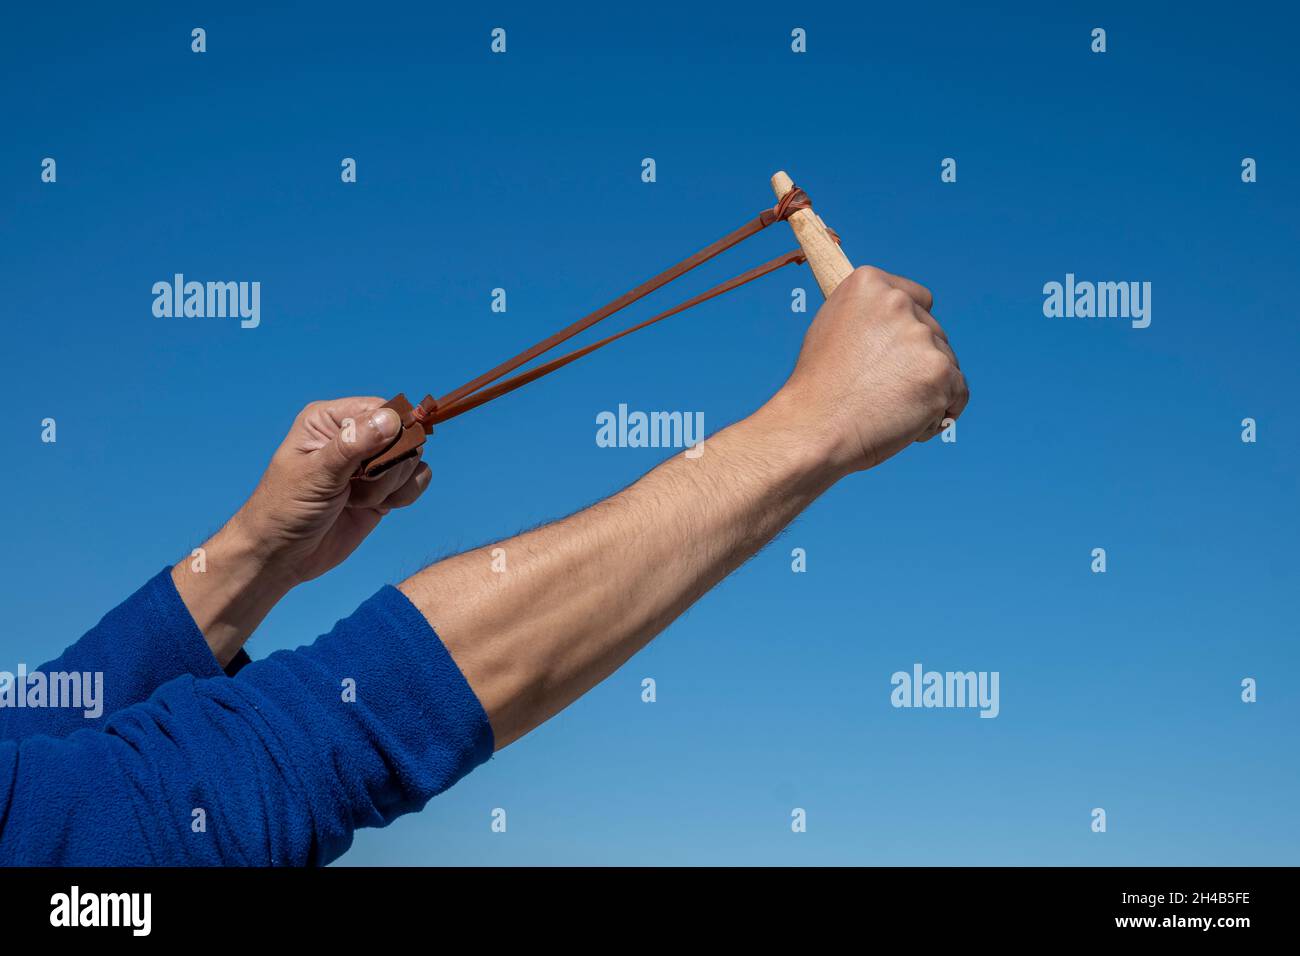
x: 320, y: 420
x: 957, y: 396
x: 369, y: 494
x: 350, y: 406
x: 356, y: 439
x: 919, y: 293
x: 925, y: 316
x: 942, y: 345
x: 960, y: 393
x: 934, y: 428
x: 411, y: 490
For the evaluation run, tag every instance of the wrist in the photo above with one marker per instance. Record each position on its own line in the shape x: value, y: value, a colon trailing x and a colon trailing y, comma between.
x: 257, y: 550
x: 809, y: 439
x: 229, y: 586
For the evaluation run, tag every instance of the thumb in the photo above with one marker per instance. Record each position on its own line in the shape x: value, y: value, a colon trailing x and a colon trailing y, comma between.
x: 358, y: 439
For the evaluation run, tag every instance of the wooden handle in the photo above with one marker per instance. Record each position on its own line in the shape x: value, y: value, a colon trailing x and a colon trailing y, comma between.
x: 829, y: 264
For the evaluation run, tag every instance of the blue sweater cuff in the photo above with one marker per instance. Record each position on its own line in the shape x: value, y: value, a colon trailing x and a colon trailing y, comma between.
x: 184, y: 649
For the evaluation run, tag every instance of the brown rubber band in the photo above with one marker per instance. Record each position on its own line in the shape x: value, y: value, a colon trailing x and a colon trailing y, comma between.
x: 418, y: 421
x: 446, y: 412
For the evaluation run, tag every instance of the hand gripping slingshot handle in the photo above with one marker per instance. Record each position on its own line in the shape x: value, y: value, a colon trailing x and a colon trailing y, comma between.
x: 818, y: 246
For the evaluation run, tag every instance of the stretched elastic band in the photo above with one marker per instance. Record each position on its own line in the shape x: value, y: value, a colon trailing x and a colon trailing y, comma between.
x: 418, y: 421
x: 446, y: 412
x: 476, y: 391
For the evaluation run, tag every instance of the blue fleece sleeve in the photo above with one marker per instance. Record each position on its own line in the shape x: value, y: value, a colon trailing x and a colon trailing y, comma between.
x: 279, y: 765
x: 140, y: 645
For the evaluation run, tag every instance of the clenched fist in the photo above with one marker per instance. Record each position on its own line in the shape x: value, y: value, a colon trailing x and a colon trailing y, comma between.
x: 876, y: 372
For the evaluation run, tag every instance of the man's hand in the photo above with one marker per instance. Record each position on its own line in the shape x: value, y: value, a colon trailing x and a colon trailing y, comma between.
x: 307, y: 512
x: 876, y: 372
x: 306, y: 515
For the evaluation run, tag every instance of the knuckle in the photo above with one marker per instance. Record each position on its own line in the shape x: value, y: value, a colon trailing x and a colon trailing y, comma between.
x: 861, y: 280
x: 898, y: 300
x: 937, y: 367
x: 869, y: 277
x: 921, y: 335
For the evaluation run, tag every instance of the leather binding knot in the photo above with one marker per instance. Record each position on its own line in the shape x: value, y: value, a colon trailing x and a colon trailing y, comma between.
x: 788, y: 205
x: 791, y: 203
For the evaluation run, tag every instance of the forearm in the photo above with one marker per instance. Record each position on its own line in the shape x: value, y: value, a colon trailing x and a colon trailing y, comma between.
x: 579, y: 597
x: 229, y: 588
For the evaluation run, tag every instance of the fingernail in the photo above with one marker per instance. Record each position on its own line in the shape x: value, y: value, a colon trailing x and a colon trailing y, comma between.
x: 386, y: 422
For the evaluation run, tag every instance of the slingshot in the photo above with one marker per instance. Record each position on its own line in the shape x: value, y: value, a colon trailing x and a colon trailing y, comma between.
x: 818, y: 246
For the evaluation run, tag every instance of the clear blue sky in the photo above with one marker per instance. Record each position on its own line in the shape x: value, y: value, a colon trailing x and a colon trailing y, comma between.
x: 523, y: 171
